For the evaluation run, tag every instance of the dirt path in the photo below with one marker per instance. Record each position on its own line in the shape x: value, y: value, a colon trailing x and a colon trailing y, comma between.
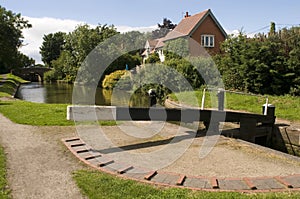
x: 39, y: 166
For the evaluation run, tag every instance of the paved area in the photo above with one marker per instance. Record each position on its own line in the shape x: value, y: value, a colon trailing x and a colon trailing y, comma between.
x: 253, y: 183
x: 38, y: 165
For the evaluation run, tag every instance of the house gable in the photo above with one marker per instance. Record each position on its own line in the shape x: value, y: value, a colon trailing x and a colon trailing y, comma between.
x: 202, y: 28
x: 199, y: 26
x: 209, y: 28
x: 208, y: 15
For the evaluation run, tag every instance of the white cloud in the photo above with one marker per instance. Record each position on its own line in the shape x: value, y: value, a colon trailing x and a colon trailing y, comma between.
x: 141, y: 29
x: 33, y: 37
x: 237, y: 32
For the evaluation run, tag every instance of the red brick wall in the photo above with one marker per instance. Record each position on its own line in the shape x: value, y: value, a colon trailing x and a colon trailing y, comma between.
x: 209, y: 27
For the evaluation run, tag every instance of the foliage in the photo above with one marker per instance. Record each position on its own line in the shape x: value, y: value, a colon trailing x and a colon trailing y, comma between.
x: 163, y: 29
x: 122, y: 49
x: 176, y: 49
x: 52, y: 46
x: 77, y: 45
x: 129, y: 59
x: 263, y: 64
x: 153, y: 58
x: 112, y: 79
x: 11, y: 26
x: 162, y: 78
x: 98, y: 185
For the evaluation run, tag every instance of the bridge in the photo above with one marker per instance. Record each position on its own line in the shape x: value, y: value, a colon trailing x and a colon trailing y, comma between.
x: 33, y: 74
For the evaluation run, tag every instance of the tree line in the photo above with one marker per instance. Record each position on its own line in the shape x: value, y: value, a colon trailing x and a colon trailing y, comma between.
x: 268, y: 63
x: 263, y: 64
x: 65, y: 53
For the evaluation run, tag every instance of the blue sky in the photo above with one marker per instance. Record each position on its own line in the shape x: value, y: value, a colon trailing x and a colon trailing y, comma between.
x: 250, y: 16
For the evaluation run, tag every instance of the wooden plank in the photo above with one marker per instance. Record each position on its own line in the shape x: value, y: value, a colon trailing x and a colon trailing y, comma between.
x: 87, y: 113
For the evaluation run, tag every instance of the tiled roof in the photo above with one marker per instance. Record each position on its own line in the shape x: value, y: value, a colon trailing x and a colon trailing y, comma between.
x: 188, y: 25
x: 153, y: 42
x: 160, y: 43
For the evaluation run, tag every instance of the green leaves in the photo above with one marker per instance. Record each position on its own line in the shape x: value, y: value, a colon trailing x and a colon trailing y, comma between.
x: 11, y: 26
x: 263, y: 64
x: 52, y: 47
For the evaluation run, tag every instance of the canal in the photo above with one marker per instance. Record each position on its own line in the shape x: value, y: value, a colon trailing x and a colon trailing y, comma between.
x: 61, y: 93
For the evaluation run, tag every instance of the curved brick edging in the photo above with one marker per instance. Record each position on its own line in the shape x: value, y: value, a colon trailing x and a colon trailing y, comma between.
x: 252, y: 184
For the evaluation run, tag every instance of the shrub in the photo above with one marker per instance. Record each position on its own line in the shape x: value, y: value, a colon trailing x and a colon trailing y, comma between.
x: 121, y: 76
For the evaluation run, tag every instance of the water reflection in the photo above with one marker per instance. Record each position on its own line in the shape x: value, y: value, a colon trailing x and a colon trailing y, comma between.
x: 56, y: 93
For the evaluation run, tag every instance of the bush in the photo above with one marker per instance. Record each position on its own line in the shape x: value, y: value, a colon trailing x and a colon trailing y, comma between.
x: 49, y: 76
x: 120, y: 76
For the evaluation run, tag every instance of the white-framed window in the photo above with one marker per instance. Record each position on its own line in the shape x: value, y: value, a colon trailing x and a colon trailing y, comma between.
x: 208, y: 41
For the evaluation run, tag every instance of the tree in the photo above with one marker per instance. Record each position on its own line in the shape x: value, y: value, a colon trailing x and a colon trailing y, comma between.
x: 52, y: 47
x: 272, y: 28
x: 163, y: 29
x: 176, y: 48
x: 11, y: 26
x: 78, y: 44
x: 265, y: 64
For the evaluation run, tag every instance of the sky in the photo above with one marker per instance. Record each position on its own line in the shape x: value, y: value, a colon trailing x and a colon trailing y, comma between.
x: 47, y: 16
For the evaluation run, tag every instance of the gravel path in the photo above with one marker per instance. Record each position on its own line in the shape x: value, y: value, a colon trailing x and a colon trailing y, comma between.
x: 38, y: 164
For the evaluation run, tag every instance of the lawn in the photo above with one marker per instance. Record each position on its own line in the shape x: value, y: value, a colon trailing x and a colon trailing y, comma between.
x: 97, y: 185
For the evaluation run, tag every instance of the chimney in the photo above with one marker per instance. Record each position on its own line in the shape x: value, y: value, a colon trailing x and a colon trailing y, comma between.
x: 187, y: 15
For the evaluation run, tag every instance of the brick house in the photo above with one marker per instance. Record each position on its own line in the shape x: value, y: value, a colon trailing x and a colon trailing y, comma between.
x: 203, y: 28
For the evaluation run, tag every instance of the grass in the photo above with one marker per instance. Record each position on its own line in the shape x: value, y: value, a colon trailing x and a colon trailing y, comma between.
x: 10, y: 84
x: 37, y: 114
x: 4, y: 192
x: 287, y: 107
x: 97, y: 185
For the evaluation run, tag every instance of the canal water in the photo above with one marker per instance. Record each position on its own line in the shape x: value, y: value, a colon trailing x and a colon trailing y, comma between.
x: 61, y: 93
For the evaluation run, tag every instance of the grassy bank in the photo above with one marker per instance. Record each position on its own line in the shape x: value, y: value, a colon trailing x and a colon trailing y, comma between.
x: 9, y: 84
x: 99, y: 185
x: 287, y: 107
x: 4, y: 192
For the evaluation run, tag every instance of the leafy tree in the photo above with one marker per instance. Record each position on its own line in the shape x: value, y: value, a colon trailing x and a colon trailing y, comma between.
x: 11, y: 26
x: 153, y: 58
x: 78, y: 44
x: 163, y: 29
x: 176, y: 48
x: 84, y: 40
x: 52, y: 46
x: 265, y: 64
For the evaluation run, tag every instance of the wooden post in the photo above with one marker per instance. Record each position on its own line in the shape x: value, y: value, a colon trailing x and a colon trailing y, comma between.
x: 203, y: 99
x: 221, y: 99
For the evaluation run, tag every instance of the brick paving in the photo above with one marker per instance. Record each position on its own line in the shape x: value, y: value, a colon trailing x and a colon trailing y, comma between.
x: 251, y: 184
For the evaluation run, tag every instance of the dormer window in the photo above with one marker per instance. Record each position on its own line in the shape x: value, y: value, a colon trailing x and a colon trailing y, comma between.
x: 208, y: 41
